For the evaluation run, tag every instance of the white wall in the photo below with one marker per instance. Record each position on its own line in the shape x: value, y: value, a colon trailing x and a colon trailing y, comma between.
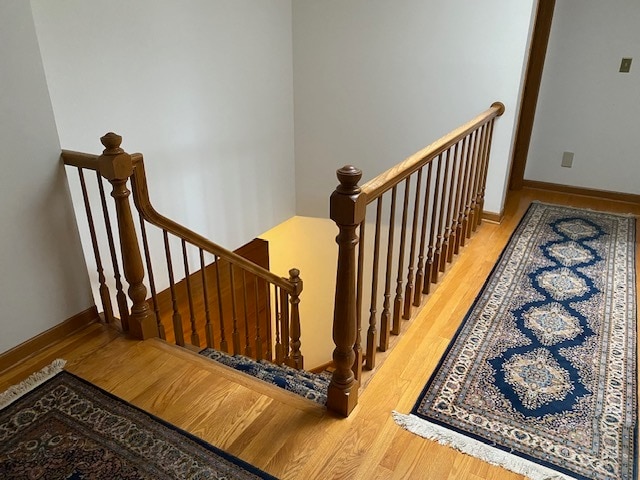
x: 202, y: 88
x: 375, y: 81
x: 44, y: 279
x: 585, y: 105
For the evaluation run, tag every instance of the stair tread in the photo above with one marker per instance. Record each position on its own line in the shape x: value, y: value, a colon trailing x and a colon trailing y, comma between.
x: 309, y: 385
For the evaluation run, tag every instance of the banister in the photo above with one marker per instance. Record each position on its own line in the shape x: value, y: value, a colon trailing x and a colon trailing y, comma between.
x: 396, y: 174
x: 143, y: 203
x: 456, y: 190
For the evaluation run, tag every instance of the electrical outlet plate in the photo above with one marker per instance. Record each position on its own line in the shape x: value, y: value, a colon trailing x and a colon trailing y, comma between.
x: 567, y: 159
x: 625, y: 65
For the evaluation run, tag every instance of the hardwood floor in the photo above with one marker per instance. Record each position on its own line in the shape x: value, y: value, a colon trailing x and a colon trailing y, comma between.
x: 290, y: 437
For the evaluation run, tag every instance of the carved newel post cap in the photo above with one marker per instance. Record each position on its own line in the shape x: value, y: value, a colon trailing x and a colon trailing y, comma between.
x: 111, y: 142
x: 349, y: 176
x: 294, y: 273
x: 114, y: 163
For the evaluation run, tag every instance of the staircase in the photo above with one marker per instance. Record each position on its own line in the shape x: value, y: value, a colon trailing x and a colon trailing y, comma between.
x: 308, y: 385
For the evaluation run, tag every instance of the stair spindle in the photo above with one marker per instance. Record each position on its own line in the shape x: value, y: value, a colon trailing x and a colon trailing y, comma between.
x: 178, y: 331
x: 483, y: 183
x: 372, y: 332
x: 259, y: 350
x: 284, y: 310
x: 454, y: 192
x: 357, y: 347
x: 224, y: 345
x: 408, y: 293
x: 433, y: 258
x: 420, y: 276
x: 446, y: 231
x: 121, y: 297
x: 397, y: 301
x: 152, y: 282
x: 460, y: 237
x: 385, y: 319
x: 208, y: 327
x: 267, y: 320
x: 235, y: 334
x: 279, y: 346
x: 247, y: 341
x: 476, y: 179
x: 195, y: 338
x: 468, y: 212
x: 105, y: 296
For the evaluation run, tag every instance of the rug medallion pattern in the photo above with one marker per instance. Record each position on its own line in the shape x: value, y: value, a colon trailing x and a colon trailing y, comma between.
x: 69, y: 429
x: 544, y: 365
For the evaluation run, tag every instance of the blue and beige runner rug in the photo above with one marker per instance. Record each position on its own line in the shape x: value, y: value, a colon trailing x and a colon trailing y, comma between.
x: 58, y: 426
x: 541, y: 376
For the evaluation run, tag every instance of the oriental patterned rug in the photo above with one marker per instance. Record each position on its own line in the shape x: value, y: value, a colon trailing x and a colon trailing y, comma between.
x: 541, y: 376
x: 64, y: 427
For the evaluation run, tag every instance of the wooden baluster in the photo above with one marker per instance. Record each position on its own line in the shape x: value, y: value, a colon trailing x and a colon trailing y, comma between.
x: 247, y: 341
x: 466, y: 226
x: 397, y: 301
x: 178, y: 332
x: 357, y: 347
x: 152, y: 283
x: 473, y: 220
x: 420, y: 277
x: 105, y: 296
x: 483, y: 182
x: 279, y: 346
x: 224, y: 345
x: 408, y: 293
x: 372, y: 332
x: 121, y: 297
x: 444, y: 255
x: 457, y: 176
x: 259, y: 352
x: 348, y: 211
x: 385, y: 318
x: 437, y: 254
x: 116, y: 166
x: 478, y: 191
x: 501, y: 109
x: 460, y: 235
x: 267, y: 319
x: 195, y: 338
x: 296, y: 359
x: 431, y: 268
x: 208, y: 327
x: 235, y: 334
x: 284, y: 310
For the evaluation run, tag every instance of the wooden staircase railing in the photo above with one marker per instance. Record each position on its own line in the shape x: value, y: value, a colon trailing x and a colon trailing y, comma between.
x: 256, y: 300
x: 442, y: 191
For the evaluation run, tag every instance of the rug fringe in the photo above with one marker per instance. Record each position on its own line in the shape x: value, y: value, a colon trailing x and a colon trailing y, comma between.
x: 477, y: 449
x: 16, y: 391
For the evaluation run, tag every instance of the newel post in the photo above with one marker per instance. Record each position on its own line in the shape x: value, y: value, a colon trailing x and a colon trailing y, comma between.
x: 116, y: 166
x: 347, y: 208
x: 296, y: 360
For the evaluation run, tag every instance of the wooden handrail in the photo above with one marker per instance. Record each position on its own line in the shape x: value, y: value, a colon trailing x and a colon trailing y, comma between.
x: 143, y: 203
x: 396, y: 174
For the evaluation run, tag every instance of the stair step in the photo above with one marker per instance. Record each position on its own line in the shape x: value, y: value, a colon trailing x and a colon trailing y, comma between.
x: 311, y: 386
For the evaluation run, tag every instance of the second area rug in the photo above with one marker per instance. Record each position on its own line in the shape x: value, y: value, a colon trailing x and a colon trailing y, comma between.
x: 64, y: 427
x: 541, y: 376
